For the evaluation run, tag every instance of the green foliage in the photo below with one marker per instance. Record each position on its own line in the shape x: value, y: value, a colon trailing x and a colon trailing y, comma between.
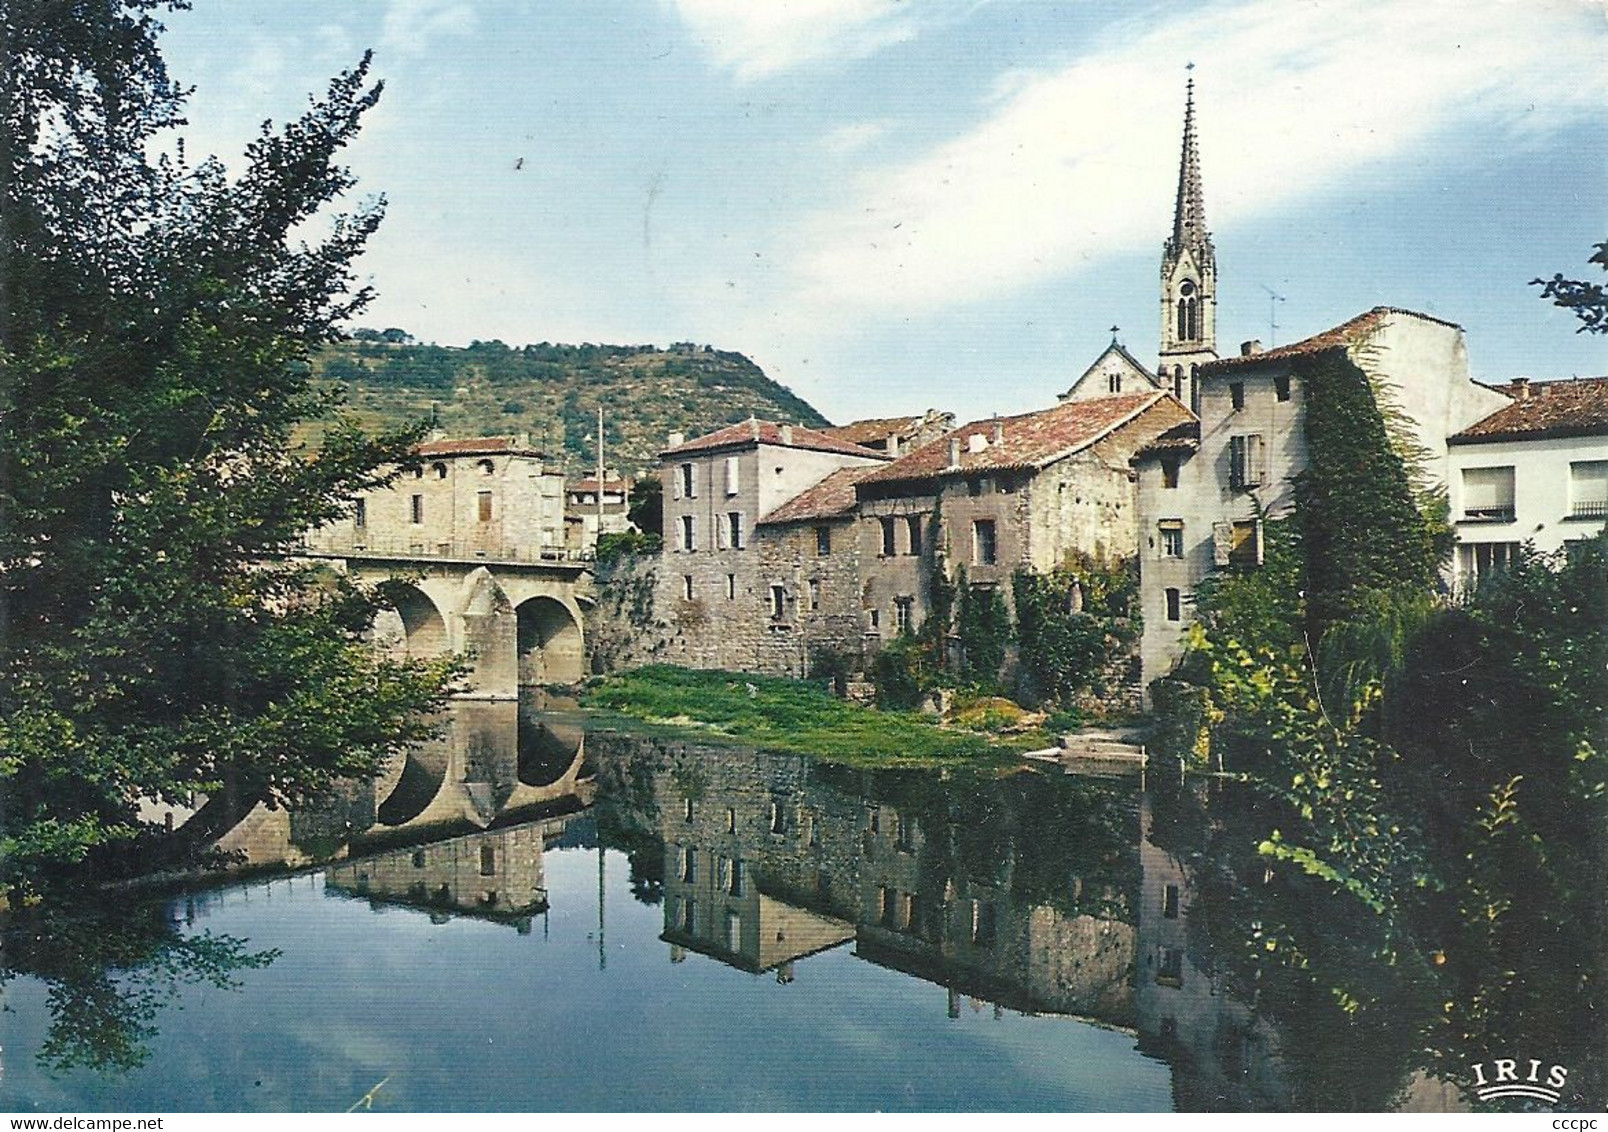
x: 983, y: 627
x: 155, y: 328
x: 1070, y: 625
x: 904, y: 672
x: 1355, y: 503
x: 556, y: 390
x: 1586, y: 298
x: 645, y: 509
x: 781, y: 715
x: 613, y: 547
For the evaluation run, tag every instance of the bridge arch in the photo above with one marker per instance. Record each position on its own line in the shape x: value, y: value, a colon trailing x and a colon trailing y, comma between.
x: 423, y: 628
x: 551, y: 650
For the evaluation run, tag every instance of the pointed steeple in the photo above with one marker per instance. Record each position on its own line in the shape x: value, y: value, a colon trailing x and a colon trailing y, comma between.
x: 1189, y: 212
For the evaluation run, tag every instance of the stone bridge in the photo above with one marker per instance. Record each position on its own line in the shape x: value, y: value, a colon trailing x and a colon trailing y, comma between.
x: 516, y: 620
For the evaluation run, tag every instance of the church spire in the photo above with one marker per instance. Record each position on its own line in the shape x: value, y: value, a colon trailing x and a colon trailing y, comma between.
x: 1188, y: 273
x: 1189, y: 213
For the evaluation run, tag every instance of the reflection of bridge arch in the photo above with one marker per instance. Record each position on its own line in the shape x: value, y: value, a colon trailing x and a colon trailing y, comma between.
x: 547, y: 749
x: 421, y: 780
x: 550, y: 646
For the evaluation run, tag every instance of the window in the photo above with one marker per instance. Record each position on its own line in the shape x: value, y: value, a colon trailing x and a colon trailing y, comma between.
x: 689, y: 866
x: 1169, y: 902
x: 1588, y: 489
x: 1236, y: 394
x: 360, y: 514
x: 688, y: 811
x: 689, y: 917
x: 778, y: 817
x: 1172, y: 538
x: 815, y: 593
x: 734, y: 932
x: 903, y: 613
x: 733, y: 481
x: 486, y: 467
x: 778, y: 602
x: 1245, y: 461
x: 483, y: 502
x: 416, y: 509
x: 823, y: 541
x: 913, y: 528
x: 1281, y: 386
x: 1245, y: 543
x: 985, y: 545
x: 686, y: 586
x: 982, y: 931
x: 1476, y: 560
x: 488, y: 861
x: 689, y: 533
x: 887, y: 536
x: 418, y: 858
x: 440, y: 471
x: 685, y: 482
x: 731, y: 820
x: 875, y: 618
x: 1114, y: 383
x: 1169, y: 471
x: 734, y: 525
x: 1174, y: 605
x: 731, y: 587
x: 1170, y: 971
x: 1488, y: 495
x: 1178, y: 382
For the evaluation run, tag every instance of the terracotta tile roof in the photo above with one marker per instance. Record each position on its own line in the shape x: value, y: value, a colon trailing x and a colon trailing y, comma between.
x: 1031, y: 440
x: 591, y: 484
x: 1348, y: 333
x: 1180, y: 438
x: 1540, y: 409
x: 876, y: 429
x: 832, y: 498
x: 754, y: 431
x: 476, y: 446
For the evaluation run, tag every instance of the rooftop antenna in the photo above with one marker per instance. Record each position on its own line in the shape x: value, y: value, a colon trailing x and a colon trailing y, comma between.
x: 1273, y: 301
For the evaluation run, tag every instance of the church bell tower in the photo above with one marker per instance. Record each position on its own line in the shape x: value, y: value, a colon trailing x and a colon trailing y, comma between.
x: 1188, y: 275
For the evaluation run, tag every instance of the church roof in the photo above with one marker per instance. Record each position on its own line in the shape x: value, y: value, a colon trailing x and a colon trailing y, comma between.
x: 755, y: 432
x: 832, y: 498
x: 1026, y: 442
x: 1189, y: 210
x: 1352, y: 332
x: 1119, y: 350
x: 1544, y: 409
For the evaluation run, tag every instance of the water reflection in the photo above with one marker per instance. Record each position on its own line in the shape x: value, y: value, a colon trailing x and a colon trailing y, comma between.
x: 1144, y: 912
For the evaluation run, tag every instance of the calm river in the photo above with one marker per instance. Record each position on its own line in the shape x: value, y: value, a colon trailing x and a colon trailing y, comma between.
x: 542, y: 913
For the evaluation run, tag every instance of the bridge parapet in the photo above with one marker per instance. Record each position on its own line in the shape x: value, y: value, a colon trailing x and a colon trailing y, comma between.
x: 405, y: 550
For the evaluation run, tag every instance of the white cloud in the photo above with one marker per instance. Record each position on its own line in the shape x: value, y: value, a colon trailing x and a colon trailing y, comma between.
x: 846, y: 140
x: 1075, y: 165
x: 412, y: 27
x: 756, y: 38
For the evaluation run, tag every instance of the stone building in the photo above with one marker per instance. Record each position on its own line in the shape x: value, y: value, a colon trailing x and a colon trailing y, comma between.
x: 1204, y: 499
x: 1114, y: 371
x: 488, y: 497
x: 584, y: 520
x: 1002, y: 494
x: 1535, y: 471
x: 724, y: 604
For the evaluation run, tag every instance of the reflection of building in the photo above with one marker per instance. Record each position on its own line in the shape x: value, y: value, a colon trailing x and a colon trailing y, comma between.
x: 1222, y: 1058
x: 769, y: 858
x: 494, y: 873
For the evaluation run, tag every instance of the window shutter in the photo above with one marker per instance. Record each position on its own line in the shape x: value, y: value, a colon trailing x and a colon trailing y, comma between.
x: 675, y: 483
x: 1236, y: 461
x: 720, y: 536
x: 1222, y: 542
x: 1255, y: 472
x: 733, y: 481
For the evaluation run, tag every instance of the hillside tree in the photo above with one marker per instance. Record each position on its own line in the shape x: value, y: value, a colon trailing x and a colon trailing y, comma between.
x: 156, y: 319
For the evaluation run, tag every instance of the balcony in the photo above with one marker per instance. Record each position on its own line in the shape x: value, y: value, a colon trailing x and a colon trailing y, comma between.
x: 1597, y: 509
x: 1497, y: 514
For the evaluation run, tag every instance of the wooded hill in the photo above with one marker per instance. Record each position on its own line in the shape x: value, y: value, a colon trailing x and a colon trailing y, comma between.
x: 553, y: 392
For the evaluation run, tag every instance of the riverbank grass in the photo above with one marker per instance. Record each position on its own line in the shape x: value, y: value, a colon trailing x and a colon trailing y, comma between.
x: 789, y: 715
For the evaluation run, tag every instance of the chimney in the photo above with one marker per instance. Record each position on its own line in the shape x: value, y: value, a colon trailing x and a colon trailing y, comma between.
x: 954, y: 451
x: 976, y: 442
x: 787, y: 435
x: 999, y: 429
x: 1250, y: 346
x: 1521, y: 389
x: 676, y: 439
x: 893, y: 445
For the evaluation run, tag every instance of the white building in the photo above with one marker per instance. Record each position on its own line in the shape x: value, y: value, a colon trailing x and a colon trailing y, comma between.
x: 1535, y: 471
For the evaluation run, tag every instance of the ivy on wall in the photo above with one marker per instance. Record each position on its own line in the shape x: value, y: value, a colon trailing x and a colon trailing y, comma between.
x: 1070, y: 625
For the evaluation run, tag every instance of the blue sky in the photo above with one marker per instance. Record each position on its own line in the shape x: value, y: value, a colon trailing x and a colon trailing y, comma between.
x: 897, y: 204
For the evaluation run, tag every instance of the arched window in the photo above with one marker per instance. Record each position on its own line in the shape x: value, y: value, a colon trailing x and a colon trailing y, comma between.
x: 440, y: 470
x: 1182, y: 318
x: 1178, y: 382
x: 1192, y: 329
x: 486, y: 467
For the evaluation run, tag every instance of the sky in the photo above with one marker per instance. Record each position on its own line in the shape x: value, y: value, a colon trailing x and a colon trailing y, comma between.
x: 894, y: 205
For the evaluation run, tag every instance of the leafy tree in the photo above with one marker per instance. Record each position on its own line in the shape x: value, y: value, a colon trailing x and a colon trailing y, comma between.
x: 1589, y: 300
x: 645, y: 509
x: 156, y: 319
